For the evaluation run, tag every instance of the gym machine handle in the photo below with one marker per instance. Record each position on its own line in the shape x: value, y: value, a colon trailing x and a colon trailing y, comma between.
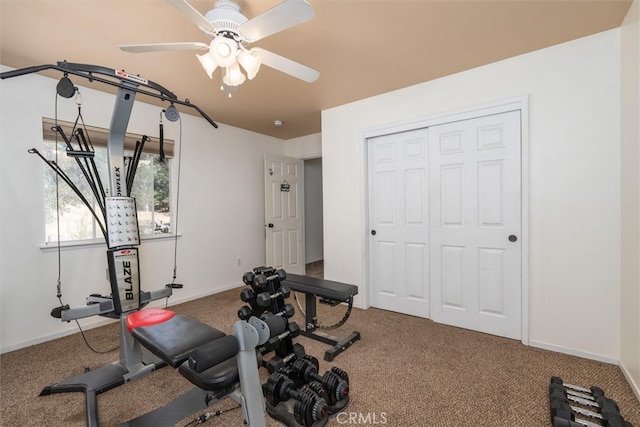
x: 126, y: 81
x: 213, y: 353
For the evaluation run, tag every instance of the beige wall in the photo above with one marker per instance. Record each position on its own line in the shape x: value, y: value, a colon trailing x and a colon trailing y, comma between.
x: 630, y: 197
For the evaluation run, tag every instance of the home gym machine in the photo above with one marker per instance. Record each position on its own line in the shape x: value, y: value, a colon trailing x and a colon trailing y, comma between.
x: 295, y: 393
x: 119, y: 225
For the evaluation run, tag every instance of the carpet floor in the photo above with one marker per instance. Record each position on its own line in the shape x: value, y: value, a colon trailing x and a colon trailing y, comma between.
x: 405, y: 371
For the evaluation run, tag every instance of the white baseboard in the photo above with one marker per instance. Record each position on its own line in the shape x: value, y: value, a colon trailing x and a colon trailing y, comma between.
x: 574, y: 352
x: 68, y: 331
x: 634, y: 385
x: 97, y: 321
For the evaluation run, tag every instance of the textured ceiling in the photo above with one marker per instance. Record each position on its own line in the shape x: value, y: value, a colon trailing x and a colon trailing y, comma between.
x: 362, y: 48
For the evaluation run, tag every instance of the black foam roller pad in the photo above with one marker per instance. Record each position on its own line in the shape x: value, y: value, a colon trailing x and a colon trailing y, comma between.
x: 213, y: 353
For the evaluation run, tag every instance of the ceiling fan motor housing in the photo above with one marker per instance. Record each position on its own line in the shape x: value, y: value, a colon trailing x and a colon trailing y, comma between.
x: 226, y: 17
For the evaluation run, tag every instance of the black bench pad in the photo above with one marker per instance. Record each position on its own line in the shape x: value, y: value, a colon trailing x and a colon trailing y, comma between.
x: 217, y: 377
x: 174, y: 339
x: 323, y: 288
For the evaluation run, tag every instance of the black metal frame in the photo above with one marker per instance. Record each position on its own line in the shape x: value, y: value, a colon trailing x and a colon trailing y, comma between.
x: 335, y: 291
x: 88, y: 72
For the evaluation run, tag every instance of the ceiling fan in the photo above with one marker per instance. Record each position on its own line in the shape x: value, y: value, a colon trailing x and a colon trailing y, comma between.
x: 230, y: 31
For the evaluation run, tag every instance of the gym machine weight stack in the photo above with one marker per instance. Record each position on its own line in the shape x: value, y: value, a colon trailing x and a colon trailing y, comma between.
x: 594, y: 408
x: 295, y: 394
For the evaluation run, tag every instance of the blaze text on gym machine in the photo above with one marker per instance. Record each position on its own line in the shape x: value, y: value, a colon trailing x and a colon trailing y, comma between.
x: 120, y: 230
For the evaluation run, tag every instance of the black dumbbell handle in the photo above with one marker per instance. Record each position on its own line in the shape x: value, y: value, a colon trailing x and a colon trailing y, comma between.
x: 287, y: 311
x: 264, y: 298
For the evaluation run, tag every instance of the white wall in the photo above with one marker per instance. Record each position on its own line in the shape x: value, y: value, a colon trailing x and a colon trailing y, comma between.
x: 221, y: 170
x: 310, y: 147
x: 574, y: 188
x: 304, y: 147
x: 630, y: 197
x: 313, y: 227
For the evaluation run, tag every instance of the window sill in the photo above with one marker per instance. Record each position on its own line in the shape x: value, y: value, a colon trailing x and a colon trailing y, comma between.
x: 91, y: 243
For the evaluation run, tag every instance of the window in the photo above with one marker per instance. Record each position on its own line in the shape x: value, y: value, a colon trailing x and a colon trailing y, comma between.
x: 151, y: 186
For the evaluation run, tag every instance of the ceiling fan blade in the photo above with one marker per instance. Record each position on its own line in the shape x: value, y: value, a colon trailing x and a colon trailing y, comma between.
x: 194, y: 16
x: 162, y: 47
x: 280, y: 17
x: 287, y: 66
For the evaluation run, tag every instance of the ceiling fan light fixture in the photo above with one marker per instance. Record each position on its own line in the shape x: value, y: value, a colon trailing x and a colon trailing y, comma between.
x: 233, y: 76
x: 228, y: 30
x: 224, y: 51
x: 250, y: 63
x: 208, y: 63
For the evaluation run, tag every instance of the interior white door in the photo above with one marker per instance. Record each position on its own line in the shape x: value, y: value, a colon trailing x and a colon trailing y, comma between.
x: 283, y: 197
x: 475, y: 218
x: 399, y: 222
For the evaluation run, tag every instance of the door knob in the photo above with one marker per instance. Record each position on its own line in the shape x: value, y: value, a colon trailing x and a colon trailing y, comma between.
x: 513, y: 238
x: 373, y: 232
x: 270, y: 225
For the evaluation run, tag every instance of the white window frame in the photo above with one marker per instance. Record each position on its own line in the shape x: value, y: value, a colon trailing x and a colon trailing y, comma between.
x: 99, y: 137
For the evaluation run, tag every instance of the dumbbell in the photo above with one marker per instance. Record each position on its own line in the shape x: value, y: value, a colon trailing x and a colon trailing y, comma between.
x: 263, y: 299
x: 561, y: 422
x: 302, y: 371
x: 260, y: 281
x: 605, y: 419
x: 263, y: 275
x: 593, y: 391
x: 561, y: 394
x: 248, y: 278
x: 293, y: 331
x: 309, y: 408
x: 287, y: 312
x: 247, y: 295
x: 245, y: 312
x: 560, y: 409
x: 601, y: 402
x: 276, y: 362
x: 585, y: 396
x: 272, y: 274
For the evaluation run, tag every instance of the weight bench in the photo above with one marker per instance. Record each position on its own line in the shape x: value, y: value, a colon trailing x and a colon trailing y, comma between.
x: 333, y: 293
x: 219, y: 365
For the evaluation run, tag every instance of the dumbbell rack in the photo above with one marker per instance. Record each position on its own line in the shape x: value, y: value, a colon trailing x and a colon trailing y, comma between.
x: 293, y: 398
x: 574, y: 406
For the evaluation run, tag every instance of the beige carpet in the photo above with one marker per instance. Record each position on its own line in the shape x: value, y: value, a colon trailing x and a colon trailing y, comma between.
x: 405, y: 371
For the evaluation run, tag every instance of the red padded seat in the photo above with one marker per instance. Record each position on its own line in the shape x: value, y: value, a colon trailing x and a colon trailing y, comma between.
x: 148, y: 317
